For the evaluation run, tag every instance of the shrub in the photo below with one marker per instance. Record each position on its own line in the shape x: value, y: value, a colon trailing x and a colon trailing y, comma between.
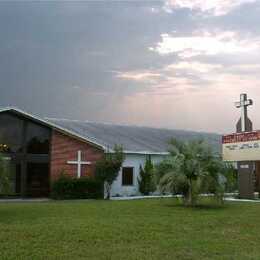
x: 5, y: 184
x: 108, y: 167
x: 73, y: 188
x: 146, y: 179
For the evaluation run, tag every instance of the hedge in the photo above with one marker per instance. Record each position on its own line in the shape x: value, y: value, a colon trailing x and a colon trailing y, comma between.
x: 73, y: 188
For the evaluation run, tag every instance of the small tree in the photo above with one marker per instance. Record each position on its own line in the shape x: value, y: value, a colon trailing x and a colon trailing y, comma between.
x: 219, y: 178
x: 5, y: 185
x: 142, y: 181
x: 192, y: 168
x: 146, y: 180
x: 108, y: 167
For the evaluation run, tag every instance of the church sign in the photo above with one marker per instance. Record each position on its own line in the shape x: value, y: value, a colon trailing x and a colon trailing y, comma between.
x: 241, y: 146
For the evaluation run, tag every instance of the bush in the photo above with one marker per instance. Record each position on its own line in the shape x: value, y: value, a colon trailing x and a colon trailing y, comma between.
x: 108, y: 167
x: 146, y: 180
x: 73, y: 188
x: 5, y: 183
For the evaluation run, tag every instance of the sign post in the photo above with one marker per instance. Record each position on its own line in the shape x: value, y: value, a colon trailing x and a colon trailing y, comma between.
x: 245, y: 164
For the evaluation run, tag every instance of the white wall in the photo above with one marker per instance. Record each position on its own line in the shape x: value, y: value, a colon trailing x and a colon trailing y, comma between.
x: 132, y: 160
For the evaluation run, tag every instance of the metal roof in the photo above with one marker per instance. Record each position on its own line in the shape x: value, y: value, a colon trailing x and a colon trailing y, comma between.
x: 134, y: 139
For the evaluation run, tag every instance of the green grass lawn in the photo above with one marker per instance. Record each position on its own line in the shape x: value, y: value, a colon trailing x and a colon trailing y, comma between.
x: 143, y: 229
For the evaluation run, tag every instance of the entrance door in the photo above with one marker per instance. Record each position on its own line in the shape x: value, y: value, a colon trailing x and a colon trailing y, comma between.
x: 38, y: 179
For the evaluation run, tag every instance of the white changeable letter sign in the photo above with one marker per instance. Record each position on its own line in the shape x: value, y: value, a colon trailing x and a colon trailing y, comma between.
x: 241, y: 147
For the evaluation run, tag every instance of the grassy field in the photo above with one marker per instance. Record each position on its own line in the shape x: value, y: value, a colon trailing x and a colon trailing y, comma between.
x: 143, y: 229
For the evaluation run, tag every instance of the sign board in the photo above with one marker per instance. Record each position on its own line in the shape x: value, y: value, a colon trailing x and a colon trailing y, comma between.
x: 241, y: 147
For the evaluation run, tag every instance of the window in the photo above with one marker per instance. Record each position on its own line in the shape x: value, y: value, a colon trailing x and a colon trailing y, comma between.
x: 27, y: 145
x: 127, y: 176
x: 11, y: 133
x: 15, y: 133
x: 37, y: 139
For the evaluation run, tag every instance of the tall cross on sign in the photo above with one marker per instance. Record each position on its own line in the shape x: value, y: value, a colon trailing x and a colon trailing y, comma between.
x: 78, y: 163
x: 243, y: 104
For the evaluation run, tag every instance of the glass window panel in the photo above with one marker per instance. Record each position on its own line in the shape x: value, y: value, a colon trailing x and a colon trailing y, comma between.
x: 8, y: 168
x: 127, y: 176
x: 11, y: 129
x: 37, y: 139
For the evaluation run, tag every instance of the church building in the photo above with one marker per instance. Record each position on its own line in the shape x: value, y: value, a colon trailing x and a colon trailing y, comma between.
x: 40, y: 150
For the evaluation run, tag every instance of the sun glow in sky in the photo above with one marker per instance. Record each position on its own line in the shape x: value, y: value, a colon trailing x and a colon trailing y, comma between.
x: 206, y: 43
x: 174, y: 63
x: 213, y: 7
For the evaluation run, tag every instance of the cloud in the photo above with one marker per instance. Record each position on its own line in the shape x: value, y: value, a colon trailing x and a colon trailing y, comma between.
x: 183, y: 78
x: 175, y: 78
x: 138, y: 75
x: 206, y: 43
x: 192, y: 66
x: 76, y: 87
x: 187, y: 80
x: 214, y: 7
x: 244, y: 69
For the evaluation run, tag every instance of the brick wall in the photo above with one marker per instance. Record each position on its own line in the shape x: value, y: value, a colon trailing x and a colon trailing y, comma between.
x: 65, y: 148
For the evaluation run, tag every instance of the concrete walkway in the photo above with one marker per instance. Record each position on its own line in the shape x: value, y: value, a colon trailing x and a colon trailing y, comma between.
x: 144, y: 197
x: 230, y: 198
x: 242, y: 200
x: 164, y: 196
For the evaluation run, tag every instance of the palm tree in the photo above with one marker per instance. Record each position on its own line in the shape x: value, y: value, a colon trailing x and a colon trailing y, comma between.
x: 192, y: 168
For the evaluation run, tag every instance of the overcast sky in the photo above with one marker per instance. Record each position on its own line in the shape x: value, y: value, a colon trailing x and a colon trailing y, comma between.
x: 175, y: 64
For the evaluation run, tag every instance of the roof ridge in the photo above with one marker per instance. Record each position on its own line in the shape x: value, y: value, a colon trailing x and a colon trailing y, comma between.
x: 113, y: 124
x: 66, y: 119
x: 130, y: 125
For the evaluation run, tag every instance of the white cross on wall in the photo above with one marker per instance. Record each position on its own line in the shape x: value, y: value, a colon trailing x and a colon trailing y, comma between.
x: 243, y: 104
x: 78, y: 163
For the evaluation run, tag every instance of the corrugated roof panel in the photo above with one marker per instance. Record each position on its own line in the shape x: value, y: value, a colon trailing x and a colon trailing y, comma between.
x: 133, y: 138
